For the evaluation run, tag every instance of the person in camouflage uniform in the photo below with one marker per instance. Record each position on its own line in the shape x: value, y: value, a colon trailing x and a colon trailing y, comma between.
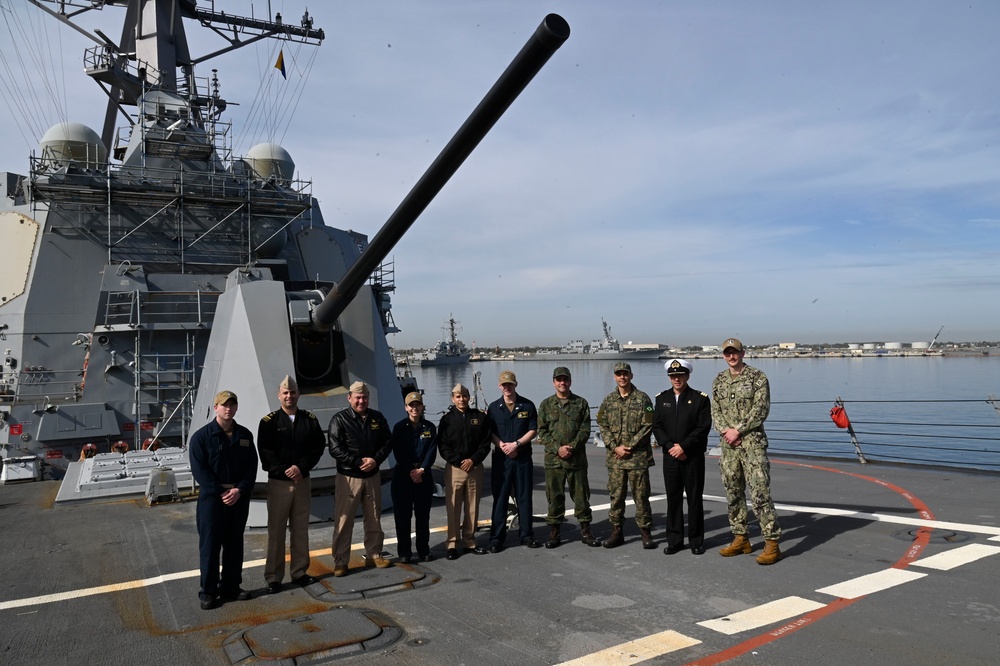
x: 563, y: 431
x: 626, y: 422
x: 741, y: 400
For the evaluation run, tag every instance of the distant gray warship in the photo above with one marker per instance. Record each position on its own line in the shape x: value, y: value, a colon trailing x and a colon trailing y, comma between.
x: 450, y: 351
x: 144, y: 275
x: 605, y: 349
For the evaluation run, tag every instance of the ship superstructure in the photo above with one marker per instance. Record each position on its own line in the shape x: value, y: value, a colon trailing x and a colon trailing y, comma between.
x: 147, y: 269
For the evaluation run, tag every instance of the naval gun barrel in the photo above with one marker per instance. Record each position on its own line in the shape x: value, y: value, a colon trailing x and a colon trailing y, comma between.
x: 550, y: 35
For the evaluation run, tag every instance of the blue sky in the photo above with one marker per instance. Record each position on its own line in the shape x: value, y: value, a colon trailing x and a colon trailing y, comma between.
x: 776, y: 171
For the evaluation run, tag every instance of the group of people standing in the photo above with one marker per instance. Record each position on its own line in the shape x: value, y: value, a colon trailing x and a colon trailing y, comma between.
x: 291, y: 442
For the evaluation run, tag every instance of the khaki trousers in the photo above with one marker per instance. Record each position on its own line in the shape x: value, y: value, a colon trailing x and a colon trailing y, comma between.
x: 461, y: 501
x: 287, y: 508
x: 348, y: 493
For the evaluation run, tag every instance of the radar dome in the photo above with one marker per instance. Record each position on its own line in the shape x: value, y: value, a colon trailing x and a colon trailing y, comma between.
x: 269, y: 160
x: 67, y: 143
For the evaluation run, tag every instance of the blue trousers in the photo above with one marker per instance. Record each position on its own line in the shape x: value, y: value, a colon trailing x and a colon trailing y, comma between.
x: 220, y: 540
x: 412, y: 500
x: 508, y: 473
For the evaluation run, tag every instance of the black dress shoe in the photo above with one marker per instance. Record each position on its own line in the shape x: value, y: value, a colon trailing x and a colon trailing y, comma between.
x: 697, y: 550
x: 495, y: 548
x: 239, y: 594
x: 273, y: 588
x: 673, y: 550
x: 207, y: 601
x: 427, y: 558
x: 452, y: 554
x: 531, y: 543
x: 478, y: 550
x: 302, y: 581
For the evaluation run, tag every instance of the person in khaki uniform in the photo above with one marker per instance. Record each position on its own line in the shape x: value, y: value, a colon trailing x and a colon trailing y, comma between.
x: 360, y: 441
x: 741, y: 401
x: 464, y: 437
x: 626, y: 421
x: 290, y: 442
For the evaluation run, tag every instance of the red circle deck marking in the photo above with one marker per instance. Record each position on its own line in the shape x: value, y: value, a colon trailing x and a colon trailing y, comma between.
x: 919, y: 543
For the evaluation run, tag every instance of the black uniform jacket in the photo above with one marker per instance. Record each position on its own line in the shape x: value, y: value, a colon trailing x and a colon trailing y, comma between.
x: 686, y: 421
x: 414, y: 447
x: 282, y: 443
x: 353, y: 437
x: 464, y: 435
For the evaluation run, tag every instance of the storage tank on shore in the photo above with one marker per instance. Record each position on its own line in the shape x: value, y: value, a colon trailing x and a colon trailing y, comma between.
x: 894, y: 345
x: 920, y: 345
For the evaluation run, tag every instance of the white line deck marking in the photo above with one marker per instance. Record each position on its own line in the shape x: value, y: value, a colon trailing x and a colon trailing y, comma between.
x: 957, y: 557
x: 636, y: 651
x: 883, y: 518
x: 129, y: 585
x: 876, y: 582
x: 759, y: 616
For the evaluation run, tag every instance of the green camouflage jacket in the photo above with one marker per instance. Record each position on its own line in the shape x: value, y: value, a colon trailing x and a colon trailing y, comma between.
x: 559, y: 425
x: 742, y: 402
x: 627, y: 422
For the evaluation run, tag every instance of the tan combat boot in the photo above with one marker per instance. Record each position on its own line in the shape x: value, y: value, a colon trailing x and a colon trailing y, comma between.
x: 554, y: 539
x: 771, y: 553
x: 647, y: 539
x: 586, y: 536
x: 739, y: 546
x: 616, y: 539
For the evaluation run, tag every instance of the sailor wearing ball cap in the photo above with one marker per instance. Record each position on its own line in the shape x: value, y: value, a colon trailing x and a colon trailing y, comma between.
x: 414, y: 443
x: 741, y: 401
x: 291, y: 442
x: 224, y: 463
x: 682, y: 418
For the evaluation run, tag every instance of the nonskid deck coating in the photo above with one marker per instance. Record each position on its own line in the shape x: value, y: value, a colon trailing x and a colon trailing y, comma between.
x: 130, y: 568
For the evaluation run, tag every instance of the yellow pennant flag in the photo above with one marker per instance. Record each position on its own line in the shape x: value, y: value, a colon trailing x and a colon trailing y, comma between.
x: 280, y: 64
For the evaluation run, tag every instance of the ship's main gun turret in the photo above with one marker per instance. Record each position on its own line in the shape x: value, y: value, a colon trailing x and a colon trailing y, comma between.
x: 550, y: 35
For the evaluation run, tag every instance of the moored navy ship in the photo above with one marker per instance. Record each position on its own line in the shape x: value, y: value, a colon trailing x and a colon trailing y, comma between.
x: 149, y: 269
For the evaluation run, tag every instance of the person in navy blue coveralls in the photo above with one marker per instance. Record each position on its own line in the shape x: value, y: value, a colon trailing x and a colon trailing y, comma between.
x: 515, y: 423
x: 414, y: 443
x: 682, y: 418
x: 224, y: 463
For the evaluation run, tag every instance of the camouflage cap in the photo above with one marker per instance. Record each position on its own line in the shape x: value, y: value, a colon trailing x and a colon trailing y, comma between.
x: 677, y: 366
x: 222, y: 397
x: 359, y: 387
x: 508, y: 377
x: 561, y: 371
x: 412, y: 397
x: 622, y: 365
x: 460, y: 390
x: 732, y: 343
x: 289, y: 383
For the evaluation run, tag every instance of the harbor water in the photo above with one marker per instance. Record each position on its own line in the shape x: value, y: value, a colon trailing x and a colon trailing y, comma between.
x: 926, y: 410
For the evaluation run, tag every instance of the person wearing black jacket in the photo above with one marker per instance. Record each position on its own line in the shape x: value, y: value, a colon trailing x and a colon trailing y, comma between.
x: 464, y: 438
x: 414, y: 443
x: 290, y: 442
x: 682, y: 418
x: 360, y: 441
x: 224, y: 463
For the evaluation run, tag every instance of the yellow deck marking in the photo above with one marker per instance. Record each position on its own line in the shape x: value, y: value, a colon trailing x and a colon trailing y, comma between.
x: 637, y: 651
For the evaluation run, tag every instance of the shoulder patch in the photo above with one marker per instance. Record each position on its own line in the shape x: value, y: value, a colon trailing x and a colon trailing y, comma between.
x: 703, y: 393
x: 267, y: 417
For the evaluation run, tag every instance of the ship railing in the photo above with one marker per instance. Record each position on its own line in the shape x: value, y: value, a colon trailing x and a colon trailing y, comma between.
x: 160, y: 309
x: 940, y: 433
x: 949, y: 433
x: 47, y: 387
